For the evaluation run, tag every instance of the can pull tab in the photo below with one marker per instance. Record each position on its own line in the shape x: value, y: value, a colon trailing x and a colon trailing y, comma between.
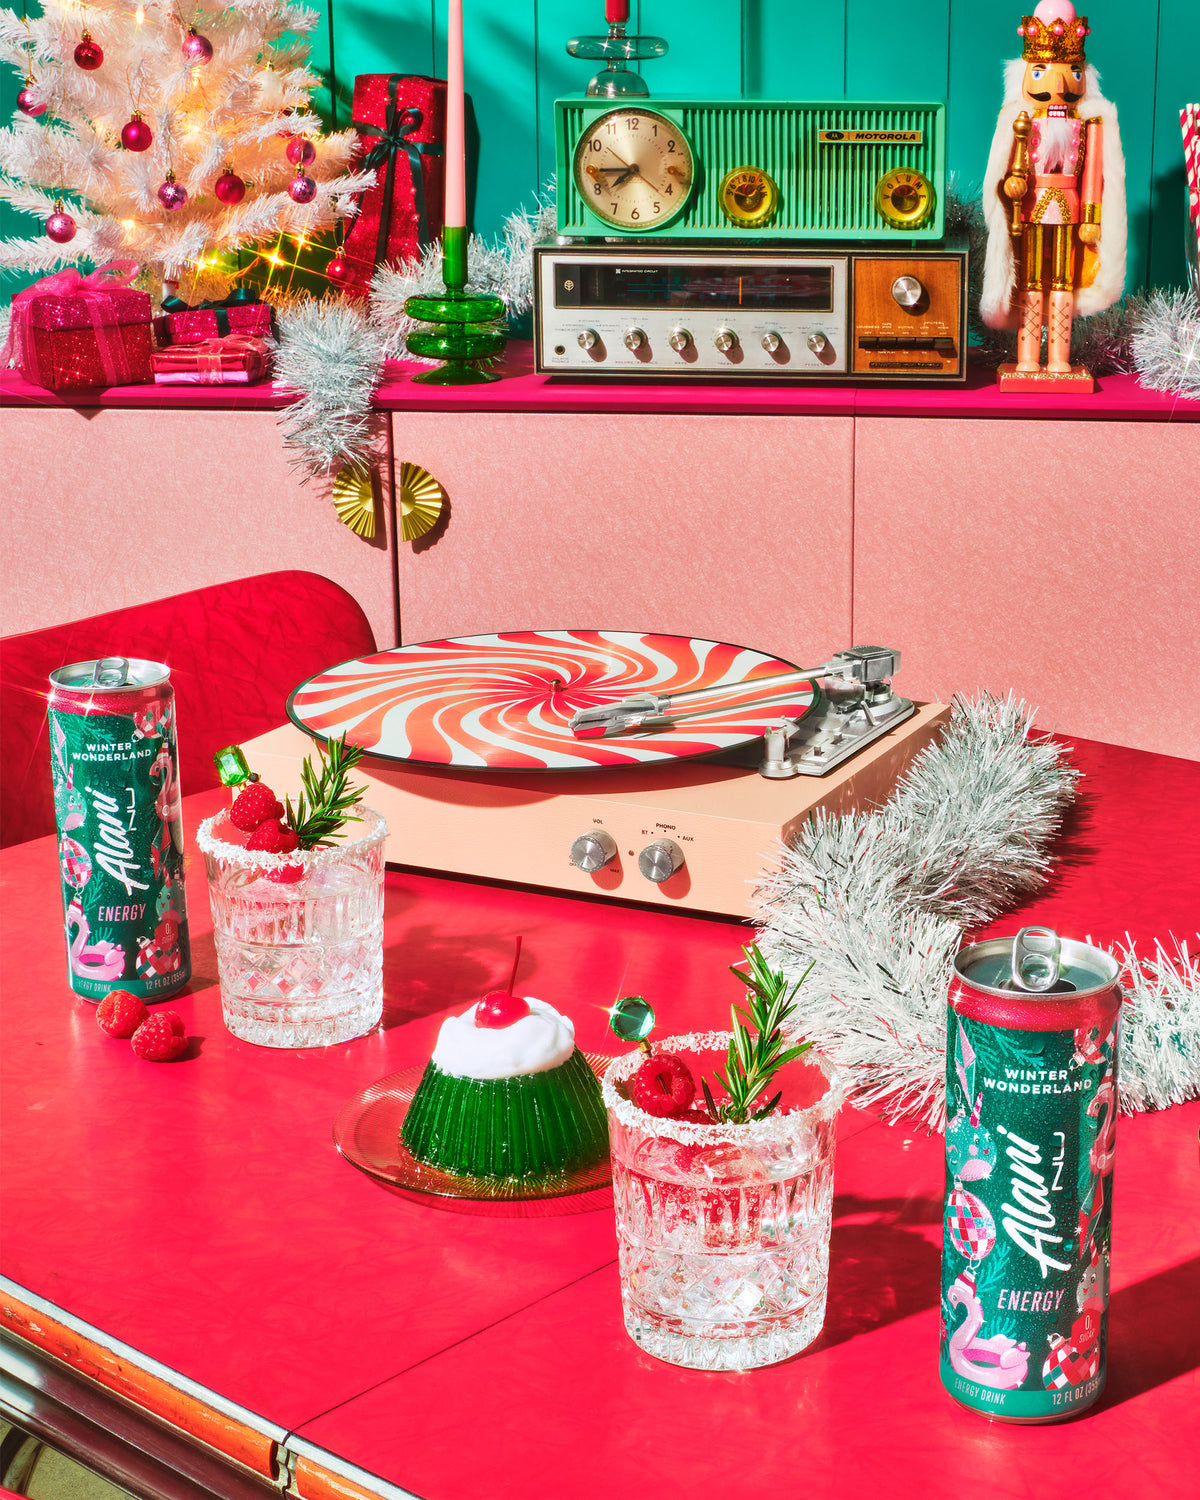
x: 1035, y: 958
x: 110, y: 671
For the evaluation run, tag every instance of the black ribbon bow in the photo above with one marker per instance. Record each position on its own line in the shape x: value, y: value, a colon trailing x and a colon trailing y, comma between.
x: 243, y: 296
x: 393, y: 138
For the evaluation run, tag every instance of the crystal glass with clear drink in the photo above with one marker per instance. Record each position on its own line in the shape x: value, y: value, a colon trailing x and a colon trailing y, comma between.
x: 723, y: 1229
x: 299, y: 936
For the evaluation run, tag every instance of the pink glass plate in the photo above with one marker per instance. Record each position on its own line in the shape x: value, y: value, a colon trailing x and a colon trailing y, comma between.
x: 504, y: 702
x: 367, y: 1133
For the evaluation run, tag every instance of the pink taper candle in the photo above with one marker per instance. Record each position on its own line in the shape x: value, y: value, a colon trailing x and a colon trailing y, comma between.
x: 456, y: 153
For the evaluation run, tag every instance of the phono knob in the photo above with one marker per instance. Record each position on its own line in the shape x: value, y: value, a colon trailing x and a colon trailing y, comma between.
x: 659, y: 861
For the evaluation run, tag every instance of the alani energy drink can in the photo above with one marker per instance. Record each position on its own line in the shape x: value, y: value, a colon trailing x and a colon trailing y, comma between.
x: 120, y: 831
x: 1031, y: 1111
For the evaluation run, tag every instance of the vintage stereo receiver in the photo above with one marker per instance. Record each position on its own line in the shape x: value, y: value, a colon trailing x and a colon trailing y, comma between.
x: 734, y: 312
x: 679, y: 169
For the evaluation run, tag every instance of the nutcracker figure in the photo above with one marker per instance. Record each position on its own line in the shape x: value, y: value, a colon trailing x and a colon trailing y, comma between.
x: 1054, y: 200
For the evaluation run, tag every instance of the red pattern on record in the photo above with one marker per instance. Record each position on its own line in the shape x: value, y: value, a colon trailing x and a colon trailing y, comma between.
x: 505, y: 701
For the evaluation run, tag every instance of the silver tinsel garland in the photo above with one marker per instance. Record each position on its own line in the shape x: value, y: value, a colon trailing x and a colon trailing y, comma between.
x: 332, y: 355
x: 878, y: 904
x: 1165, y: 343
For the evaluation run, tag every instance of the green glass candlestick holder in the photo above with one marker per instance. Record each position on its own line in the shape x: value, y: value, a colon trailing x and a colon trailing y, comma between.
x: 462, y: 328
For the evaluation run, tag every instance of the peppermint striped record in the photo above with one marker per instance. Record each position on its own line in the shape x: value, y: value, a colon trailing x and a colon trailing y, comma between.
x: 504, y: 702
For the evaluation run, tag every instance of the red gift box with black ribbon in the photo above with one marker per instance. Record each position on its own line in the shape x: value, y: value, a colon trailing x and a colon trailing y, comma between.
x: 241, y: 312
x: 401, y: 123
x: 69, y: 331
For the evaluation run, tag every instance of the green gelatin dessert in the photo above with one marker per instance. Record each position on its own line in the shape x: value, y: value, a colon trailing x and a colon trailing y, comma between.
x: 507, y: 1094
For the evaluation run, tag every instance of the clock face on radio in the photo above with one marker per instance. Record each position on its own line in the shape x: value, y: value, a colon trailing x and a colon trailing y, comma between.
x: 634, y: 169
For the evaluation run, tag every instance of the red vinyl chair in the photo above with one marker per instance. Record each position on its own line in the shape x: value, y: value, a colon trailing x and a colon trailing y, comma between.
x: 236, y: 650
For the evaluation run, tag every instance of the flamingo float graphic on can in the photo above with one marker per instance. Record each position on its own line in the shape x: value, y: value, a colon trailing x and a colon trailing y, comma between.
x: 120, y: 833
x: 1031, y: 1110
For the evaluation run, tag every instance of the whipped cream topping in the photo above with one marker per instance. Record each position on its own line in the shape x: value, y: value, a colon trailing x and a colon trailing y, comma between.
x: 536, y: 1043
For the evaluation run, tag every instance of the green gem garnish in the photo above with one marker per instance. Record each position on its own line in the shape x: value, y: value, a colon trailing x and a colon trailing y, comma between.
x: 631, y: 1018
x: 231, y: 766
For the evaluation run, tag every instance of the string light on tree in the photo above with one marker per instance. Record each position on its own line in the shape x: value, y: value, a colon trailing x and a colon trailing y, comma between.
x: 140, y: 121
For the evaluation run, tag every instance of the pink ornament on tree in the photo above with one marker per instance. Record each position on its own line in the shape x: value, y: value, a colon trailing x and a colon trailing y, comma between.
x: 300, y: 151
x: 172, y: 194
x: 302, y: 188
x: 137, y: 135
x: 229, y: 187
x: 29, y: 104
x: 60, y: 226
x: 197, y: 49
x: 88, y: 55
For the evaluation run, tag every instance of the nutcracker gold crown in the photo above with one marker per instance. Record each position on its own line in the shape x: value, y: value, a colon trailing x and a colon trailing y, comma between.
x: 1060, y: 40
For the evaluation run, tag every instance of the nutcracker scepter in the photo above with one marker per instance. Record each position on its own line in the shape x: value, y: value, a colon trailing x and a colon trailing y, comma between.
x: 1017, y: 183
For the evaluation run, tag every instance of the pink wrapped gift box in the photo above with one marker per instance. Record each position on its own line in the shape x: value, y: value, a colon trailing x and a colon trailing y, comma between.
x: 237, y: 359
x: 69, y: 331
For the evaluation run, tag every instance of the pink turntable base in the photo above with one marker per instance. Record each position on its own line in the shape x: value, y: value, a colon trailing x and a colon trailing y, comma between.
x: 520, y: 827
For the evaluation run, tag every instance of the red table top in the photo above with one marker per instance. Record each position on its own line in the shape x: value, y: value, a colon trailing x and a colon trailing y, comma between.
x: 1116, y: 398
x: 199, y: 1213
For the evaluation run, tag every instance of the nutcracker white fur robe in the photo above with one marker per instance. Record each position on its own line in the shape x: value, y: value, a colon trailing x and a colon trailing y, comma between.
x: 1103, y: 269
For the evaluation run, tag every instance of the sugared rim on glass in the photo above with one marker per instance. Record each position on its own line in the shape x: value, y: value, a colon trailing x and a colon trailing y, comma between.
x: 775, y: 1129
x: 310, y: 859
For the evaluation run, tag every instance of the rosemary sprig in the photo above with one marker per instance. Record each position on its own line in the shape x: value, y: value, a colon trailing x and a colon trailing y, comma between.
x: 323, y: 807
x: 756, y: 1048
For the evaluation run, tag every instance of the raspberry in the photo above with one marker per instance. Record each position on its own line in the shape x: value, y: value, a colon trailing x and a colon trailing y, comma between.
x: 498, y: 1009
x: 120, y: 1013
x: 160, y: 1038
x: 663, y: 1085
x: 287, y: 874
x: 271, y: 837
x: 252, y: 806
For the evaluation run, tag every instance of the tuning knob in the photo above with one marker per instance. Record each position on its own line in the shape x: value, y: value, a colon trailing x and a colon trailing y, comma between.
x: 634, y: 339
x: 592, y: 851
x: 725, y: 339
x: 659, y: 861
x: 907, y: 291
x: 817, y: 342
x: 588, y: 338
x: 771, y: 341
x: 679, y: 340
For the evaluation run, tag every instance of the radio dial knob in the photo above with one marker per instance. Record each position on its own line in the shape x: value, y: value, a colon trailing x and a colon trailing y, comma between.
x: 679, y: 340
x: 587, y: 339
x: 725, y: 339
x: 771, y: 341
x: 659, y: 861
x: 818, y: 343
x: 592, y: 851
x: 634, y: 339
x: 907, y: 291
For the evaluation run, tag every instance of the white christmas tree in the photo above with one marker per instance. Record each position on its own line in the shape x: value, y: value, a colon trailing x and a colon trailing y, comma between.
x: 167, y: 136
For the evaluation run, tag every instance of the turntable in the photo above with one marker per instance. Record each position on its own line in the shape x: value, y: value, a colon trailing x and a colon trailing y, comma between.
x: 634, y: 766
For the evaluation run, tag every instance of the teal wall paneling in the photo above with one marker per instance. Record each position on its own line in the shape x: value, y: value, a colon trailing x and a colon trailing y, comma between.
x: 792, y: 51
x: 516, y: 65
x: 897, y: 49
x: 1177, y: 83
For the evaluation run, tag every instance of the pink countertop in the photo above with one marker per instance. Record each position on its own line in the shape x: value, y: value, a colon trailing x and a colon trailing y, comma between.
x: 1116, y: 398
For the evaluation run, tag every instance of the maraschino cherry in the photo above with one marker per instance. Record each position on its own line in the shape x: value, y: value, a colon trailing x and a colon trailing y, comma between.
x: 500, y: 1008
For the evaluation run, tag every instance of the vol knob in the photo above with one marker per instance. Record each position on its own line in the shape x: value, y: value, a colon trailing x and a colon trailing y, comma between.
x: 725, y: 339
x: 592, y: 851
x: 659, y: 861
x: 587, y: 339
x: 634, y: 339
x: 679, y: 340
x: 907, y: 291
x: 817, y: 342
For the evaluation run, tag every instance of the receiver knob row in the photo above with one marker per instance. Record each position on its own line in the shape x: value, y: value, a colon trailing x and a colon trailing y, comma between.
x: 658, y: 861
